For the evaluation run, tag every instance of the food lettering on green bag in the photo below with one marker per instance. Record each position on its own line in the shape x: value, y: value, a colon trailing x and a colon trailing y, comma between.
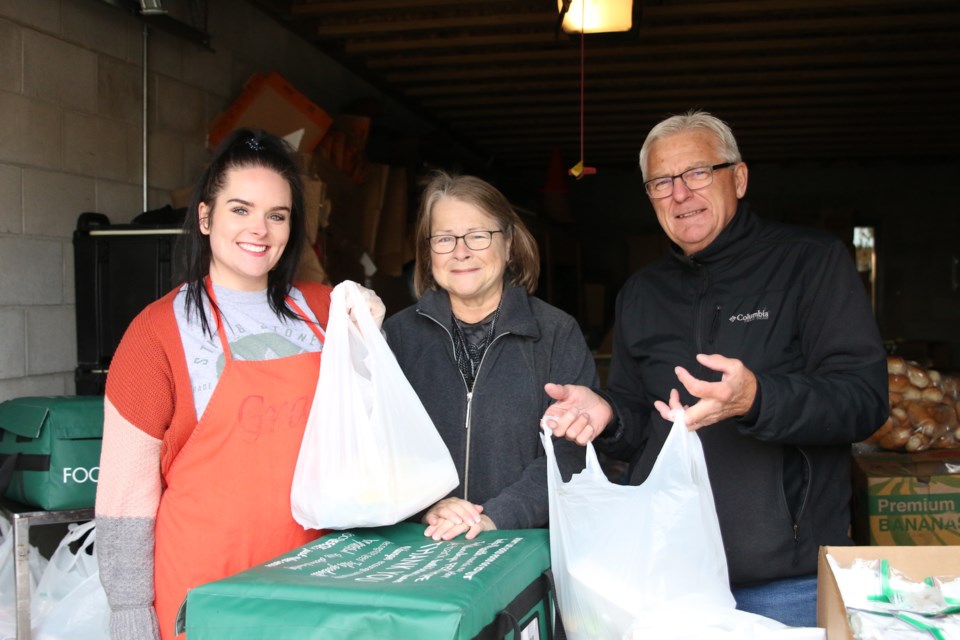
x: 80, y: 475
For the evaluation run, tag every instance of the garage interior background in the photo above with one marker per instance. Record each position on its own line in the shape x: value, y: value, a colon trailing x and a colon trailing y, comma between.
x: 852, y: 123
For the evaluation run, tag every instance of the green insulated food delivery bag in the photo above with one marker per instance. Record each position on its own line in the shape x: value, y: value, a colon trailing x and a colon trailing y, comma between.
x: 50, y: 450
x: 386, y: 583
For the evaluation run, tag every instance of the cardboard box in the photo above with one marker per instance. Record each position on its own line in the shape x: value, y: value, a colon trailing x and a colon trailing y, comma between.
x: 906, y: 498
x: 269, y: 102
x: 393, y: 233
x: 916, y: 563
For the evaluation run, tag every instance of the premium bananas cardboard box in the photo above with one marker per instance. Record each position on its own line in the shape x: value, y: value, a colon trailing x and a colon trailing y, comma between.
x: 906, y: 499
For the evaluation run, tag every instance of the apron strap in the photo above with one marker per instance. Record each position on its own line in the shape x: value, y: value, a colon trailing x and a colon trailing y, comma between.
x: 216, y: 314
x: 314, y: 326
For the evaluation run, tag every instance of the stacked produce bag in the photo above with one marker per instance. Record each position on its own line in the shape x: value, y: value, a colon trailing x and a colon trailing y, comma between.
x: 923, y: 409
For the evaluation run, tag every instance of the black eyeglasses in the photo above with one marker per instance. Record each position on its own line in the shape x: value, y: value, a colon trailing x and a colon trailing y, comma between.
x: 475, y: 241
x: 696, y: 178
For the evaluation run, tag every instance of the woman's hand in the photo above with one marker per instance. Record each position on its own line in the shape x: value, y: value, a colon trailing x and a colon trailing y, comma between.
x: 452, y: 517
x: 374, y: 303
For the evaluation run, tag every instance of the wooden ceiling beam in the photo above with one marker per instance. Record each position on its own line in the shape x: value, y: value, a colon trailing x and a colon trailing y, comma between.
x: 704, y: 10
x: 600, y: 69
x: 941, y: 41
x: 514, y: 40
x: 703, y: 82
x: 783, y: 134
x: 335, y: 7
x: 834, y: 24
x: 834, y: 117
x: 612, y: 100
x: 437, y: 25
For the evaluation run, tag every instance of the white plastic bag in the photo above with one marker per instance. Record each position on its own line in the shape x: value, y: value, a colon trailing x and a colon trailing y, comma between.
x: 69, y: 602
x: 36, y: 563
x: 371, y: 455
x: 646, y: 561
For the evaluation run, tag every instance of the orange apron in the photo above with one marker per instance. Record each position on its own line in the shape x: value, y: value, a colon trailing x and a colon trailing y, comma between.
x: 226, y: 506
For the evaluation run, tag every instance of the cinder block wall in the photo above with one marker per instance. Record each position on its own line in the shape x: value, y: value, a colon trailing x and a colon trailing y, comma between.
x: 71, y: 140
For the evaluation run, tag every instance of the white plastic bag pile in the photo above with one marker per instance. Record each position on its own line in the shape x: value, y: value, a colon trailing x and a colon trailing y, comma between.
x: 68, y: 601
x: 647, y: 561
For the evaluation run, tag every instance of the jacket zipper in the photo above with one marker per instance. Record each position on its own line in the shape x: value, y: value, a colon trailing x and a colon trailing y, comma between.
x: 702, y: 271
x: 803, y: 506
x: 469, y: 416
x: 714, y: 326
x: 469, y: 419
x: 466, y: 459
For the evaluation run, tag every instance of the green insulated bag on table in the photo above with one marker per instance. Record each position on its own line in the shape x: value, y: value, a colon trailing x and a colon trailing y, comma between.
x: 385, y: 583
x: 50, y: 450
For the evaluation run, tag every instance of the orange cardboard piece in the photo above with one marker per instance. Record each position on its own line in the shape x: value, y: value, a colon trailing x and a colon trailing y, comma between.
x: 268, y: 101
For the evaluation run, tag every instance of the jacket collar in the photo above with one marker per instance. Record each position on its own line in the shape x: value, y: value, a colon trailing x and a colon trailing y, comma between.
x: 729, y: 241
x: 516, y: 315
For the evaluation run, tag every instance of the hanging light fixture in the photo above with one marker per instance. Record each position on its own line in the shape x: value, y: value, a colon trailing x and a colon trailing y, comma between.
x: 591, y: 16
x: 596, y: 16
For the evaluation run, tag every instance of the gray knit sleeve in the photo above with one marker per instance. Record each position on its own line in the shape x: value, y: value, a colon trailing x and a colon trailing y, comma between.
x: 125, y: 558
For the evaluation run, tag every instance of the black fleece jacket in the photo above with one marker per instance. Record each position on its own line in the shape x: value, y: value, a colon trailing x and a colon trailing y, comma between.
x: 788, y: 302
x: 493, y: 433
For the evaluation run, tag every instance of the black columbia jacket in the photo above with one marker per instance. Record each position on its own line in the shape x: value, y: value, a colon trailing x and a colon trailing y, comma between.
x: 788, y: 302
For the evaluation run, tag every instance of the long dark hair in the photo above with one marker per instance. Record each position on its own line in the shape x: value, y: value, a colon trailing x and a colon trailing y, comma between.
x: 241, y: 149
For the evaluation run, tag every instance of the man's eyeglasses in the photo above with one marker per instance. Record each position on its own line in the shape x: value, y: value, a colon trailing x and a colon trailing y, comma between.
x: 696, y: 178
x: 475, y: 241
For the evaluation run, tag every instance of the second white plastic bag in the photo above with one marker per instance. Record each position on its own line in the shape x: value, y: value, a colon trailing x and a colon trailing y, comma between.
x: 646, y: 561
x: 370, y: 455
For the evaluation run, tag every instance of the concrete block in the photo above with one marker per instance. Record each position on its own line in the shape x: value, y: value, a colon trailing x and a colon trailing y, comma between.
x: 11, y: 69
x: 50, y: 385
x: 165, y: 161
x: 208, y: 70
x: 42, y: 14
x: 30, y: 134
x: 195, y: 159
x: 13, y: 347
x: 59, y: 72
x: 119, y: 201
x: 11, y: 205
x: 31, y: 271
x: 85, y: 23
x: 99, y: 147
x: 119, y: 91
x: 259, y: 41
x: 179, y: 107
x: 52, y: 201
x: 164, y: 54
x: 157, y: 198
x: 51, y: 339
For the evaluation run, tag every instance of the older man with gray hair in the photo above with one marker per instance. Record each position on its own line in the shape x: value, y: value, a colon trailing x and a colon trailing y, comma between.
x: 763, y: 335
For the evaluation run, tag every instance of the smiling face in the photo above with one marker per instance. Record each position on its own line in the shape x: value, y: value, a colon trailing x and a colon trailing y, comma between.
x: 474, y: 279
x: 693, y: 219
x: 248, y: 225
